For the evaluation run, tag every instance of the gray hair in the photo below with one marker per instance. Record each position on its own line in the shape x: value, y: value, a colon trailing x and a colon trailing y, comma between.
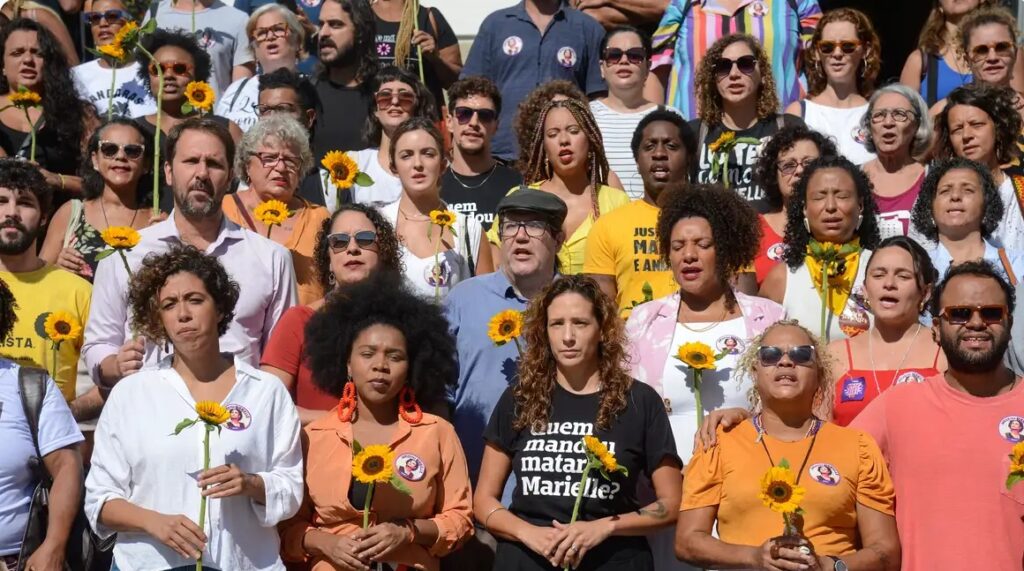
x: 297, y: 35
x: 923, y: 136
x: 286, y: 131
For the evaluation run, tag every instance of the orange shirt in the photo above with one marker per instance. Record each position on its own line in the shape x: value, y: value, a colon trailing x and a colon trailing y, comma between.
x: 729, y: 476
x: 439, y: 482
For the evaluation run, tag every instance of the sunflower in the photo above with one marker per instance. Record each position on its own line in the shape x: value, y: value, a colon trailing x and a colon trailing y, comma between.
x: 212, y: 412
x: 373, y: 464
x: 1017, y: 458
x: 723, y: 140
x: 595, y: 446
x: 272, y: 212
x: 117, y: 48
x: 342, y: 168
x: 696, y: 355
x: 62, y: 326
x: 120, y: 237
x: 200, y: 95
x: 779, y: 490
x: 24, y: 98
x: 444, y: 218
x: 113, y: 51
x: 610, y: 463
x: 122, y: 36
x: 505, y: 326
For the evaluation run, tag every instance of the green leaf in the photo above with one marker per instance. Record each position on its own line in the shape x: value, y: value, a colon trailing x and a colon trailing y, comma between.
x: 149, y: 27
x: 363, y: 179
x: 430, y: 229
x: 184, y: 424
x: 783, y: 463
x: 624, y: 470
x: 452, y: 230
x: 356, y: 447
x: 1013, y: 478
x: 648, y: 292
x: 104, y: 254
x: 399, y: 485
x: 187, y: 108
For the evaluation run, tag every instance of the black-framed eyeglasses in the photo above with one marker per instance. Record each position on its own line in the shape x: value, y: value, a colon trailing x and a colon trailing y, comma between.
x: 846, y: 46
x: 110, y: 149
x: 770, y: 355
x: 465, y: 114
x: 95, y: 18
x: 271, y: 160
x: 898, y: 115
x: 635, y: 56
x: 262, y: 110
x: 788, y: 168
x: 533, y: 228
x: 962, y: 314
x: 340, y: 240
x: 270, y: 32
x: 746, y: 65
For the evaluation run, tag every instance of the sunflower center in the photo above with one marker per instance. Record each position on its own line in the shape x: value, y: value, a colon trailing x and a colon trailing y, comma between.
x: 373, y: 465
x: 340, y: 171
x: 506, y: 328
x: 63, y: 327
x: 273, y: 212
x: 781, y: 492
x: 199, y: 95
x: 697, y: 357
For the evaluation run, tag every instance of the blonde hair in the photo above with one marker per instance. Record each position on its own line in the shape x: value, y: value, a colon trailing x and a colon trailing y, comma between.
x: 823, y: 367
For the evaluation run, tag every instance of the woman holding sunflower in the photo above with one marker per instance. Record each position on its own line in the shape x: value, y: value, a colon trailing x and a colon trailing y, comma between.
x: 271, y: 159
x: 837, y: 476
x: 574, y: 408
x: 148, y: 479
x: 386, y: 480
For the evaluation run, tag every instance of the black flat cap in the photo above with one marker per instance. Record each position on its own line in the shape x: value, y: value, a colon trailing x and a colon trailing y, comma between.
x: 526, y: 199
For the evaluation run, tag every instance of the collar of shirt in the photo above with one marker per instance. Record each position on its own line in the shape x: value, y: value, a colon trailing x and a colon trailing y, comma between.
x: 167, y: 231
x: 715, y: 7
x: 943, y: 259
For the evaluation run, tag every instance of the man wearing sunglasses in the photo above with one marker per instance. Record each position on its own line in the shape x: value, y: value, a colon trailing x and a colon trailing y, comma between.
x: 475, y: 181
x: 948, y: 440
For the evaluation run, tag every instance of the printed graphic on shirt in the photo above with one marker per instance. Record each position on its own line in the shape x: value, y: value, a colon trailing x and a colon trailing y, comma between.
x: 854, y: 319
x: 553, y: 459
x: 439, y: 274
x: 741, y: 169
x: 646, y: 257
x: 125, y: 96
x: 893, y: 223
x: 825, y: 474
x: 410, y: 467
x: 239, y: 417
x: 567, y: 56
x: 730, y: 345
x: 853, y: 389
x: 859, y: 135
x: 310, y: 3
x: 471, y: 209
x: 512, y: 45
x: 758, y: 9
x: 909, y: 377
x: 776, y: 252
x: 1011, y: 429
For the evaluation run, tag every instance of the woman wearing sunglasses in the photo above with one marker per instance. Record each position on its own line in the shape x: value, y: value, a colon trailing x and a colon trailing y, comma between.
x: 841, y: 71
x: 737, y: 103
x: 625, y: 65
x: 831, y: 229
x: 271, y: 161
x: 352, y: 245
x: 114, y: 193
x: 847, y: 501
x: 94, y: 78
x: 899, y: 132
x: 778, y: 170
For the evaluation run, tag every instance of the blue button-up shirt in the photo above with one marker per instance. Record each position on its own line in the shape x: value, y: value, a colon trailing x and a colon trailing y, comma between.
x: 942, y: 260
x: 513, y: 53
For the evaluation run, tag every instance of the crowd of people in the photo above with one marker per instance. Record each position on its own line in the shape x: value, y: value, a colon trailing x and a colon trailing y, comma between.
x: 294, y: 286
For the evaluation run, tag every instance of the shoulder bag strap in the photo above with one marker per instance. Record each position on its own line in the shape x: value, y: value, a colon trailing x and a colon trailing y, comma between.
x: 1007, y: 267
x: 77, y: 210
x: 469, y: 246
x: 243, y: 212
x: 933, y: 79
x: 702, y: 134
x: 32, y: 385
x: 239, y: 93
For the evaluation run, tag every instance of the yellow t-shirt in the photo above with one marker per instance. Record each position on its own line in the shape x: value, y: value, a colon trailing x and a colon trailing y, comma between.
x: 729, y: 476
x: 38, y: 293
x: 570, y: 257
x: 623, y: 244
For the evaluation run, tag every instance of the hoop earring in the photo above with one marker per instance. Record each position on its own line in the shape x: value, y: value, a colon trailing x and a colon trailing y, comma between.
x: 407, y: 407
x: 347, y: 406
x: 331, y: 280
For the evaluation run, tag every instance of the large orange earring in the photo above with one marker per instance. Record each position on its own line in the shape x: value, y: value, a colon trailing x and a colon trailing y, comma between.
x: 407, y: 407
x: 347, y: 406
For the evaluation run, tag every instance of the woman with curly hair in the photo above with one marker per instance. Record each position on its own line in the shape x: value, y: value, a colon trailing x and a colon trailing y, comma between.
x: 573, y: 383
x: 33, y: 61
x: 388, y: 356
x: 831, y: 229
x: 778, y: 170
x: 842, y: 65
x: 841, y: 483
x: 147, y: 476
x: 356, y: 242
x: 979, y: 123
x: 956, y: 215
x: 738, y: 114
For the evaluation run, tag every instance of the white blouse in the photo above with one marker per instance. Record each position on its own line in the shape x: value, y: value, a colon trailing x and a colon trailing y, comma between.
x: 137, y: 458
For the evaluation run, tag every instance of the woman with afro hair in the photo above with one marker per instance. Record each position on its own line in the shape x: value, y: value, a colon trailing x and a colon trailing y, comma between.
x: 388, y: 358
x: 831, y: 228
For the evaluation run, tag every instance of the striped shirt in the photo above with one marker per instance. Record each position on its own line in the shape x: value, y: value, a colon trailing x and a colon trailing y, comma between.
x: 617, y: 132
x: 690, y: 27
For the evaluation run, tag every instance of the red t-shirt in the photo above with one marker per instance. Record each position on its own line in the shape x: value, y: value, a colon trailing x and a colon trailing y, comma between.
x: 856, y: 388
x: 285, y: 351
x: 770, y: 252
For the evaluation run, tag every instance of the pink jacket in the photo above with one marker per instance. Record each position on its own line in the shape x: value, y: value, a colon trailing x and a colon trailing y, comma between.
x: 651, y: 326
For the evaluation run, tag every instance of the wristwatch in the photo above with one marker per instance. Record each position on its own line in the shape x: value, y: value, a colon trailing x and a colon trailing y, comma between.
x: 838, y: 564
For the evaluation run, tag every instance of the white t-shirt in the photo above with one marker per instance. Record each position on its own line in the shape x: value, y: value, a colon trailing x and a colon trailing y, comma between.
x: 617, y: 132
x: 237, y: 101
x: 843, y: 126
x: 57, y: 429
x: 130, y: 96
x: 386, y: 187
x: 1010, y: 233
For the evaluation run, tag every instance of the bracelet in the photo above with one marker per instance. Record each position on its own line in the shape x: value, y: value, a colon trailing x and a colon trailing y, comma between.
x: 490, y: 513
x: 412, y: 531
x: 61, y: 180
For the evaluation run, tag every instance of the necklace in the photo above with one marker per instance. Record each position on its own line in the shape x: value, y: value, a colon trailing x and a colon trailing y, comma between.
x: 103, y: 210
x: 712, y: 325
x: 414, y: 217
x: 458, y: 179
x: 871, y: 355
x: 812, y: 431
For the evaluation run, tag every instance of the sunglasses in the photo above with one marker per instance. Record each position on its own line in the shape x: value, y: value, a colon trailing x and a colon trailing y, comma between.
x: 1003, y: 49
x: 110, y: 149
x: 961, y: 314
x: 179, y: 68
x: 846, y: 46
x: 770, y: 355
x: 746, y: 65
x: 94, y: 18
x: 635, y: 56
x: 465, y: 114
x: 340, y: 240
x: 386, y: 98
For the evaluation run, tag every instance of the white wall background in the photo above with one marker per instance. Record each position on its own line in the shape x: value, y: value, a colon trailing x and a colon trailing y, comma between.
x: 465, y: 16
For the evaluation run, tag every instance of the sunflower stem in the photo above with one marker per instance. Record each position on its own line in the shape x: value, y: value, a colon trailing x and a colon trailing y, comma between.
x: 697, y: 379
x: 519, y: 348
x: 366, y: 505
x: 113, y: 85
x: 124, y: 260
x: 32, y: 133
x: 437, y: 267
x: 579, y: 497
x: 156, y: 139
x: 202, y: 499
x: 56, y: 357
x: 824, y: 299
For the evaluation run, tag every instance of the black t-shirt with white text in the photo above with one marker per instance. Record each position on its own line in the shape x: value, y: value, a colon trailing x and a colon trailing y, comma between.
x: 548, y: 465
x: 480, y: 194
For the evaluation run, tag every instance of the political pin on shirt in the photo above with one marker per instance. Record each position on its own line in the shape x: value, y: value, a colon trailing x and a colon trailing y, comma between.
x: 238, y: 418
x: 853, y: 389
x: 410, y: 467
x: 824, y: 473
x: 567, y: 56
x: 1011, y: 429
x: 512, y: 45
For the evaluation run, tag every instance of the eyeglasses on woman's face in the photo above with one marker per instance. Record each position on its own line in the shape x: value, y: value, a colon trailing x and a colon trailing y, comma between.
x: 635, y: 56
x: 846, y: 46
x: 1002, y: 49
x: 387, y: 98
x: 340, y: 240
x: 178, y: 68
x: 270, y: 32
x: 771, y: 355
x: 110, y: 149
x: 898, y: 115
x: 746, y: 64
x: 270, y: 159
x: 109, y: 16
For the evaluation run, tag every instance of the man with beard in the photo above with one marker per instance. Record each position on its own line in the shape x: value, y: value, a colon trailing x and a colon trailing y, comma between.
x: 945, y: 439
x: 200, y: 153
x: 41, y: 290
x: 348, y: 60
x: 475, y: 181
x: 622, y: 249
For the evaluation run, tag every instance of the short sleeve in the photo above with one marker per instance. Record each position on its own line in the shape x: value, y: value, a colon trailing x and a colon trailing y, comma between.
x: 702, y: 478
x: 599, y: 257
x: 499, y: 431
x: 872, y: 421
x: 445, y: 34
x: 874, y: 485
x: 57, y: 426
x: 284, y: 350
x: 478, y: 61
x: 659, y: 443
x: 595, y: 33
x: 242, y: 54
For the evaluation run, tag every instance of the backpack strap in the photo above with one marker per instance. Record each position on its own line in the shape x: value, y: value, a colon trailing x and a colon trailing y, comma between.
x: 239, y: 93
x: 803, y: 108
x: 32, y: 386
x: 469, y: 246
x: 1007, y: 267
x: 702, y: 134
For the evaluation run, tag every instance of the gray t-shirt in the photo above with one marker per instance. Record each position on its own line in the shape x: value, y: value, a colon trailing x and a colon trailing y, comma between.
x: 220, y: 30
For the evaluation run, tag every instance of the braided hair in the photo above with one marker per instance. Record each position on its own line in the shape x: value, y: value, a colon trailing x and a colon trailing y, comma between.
x: 538, y: 164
